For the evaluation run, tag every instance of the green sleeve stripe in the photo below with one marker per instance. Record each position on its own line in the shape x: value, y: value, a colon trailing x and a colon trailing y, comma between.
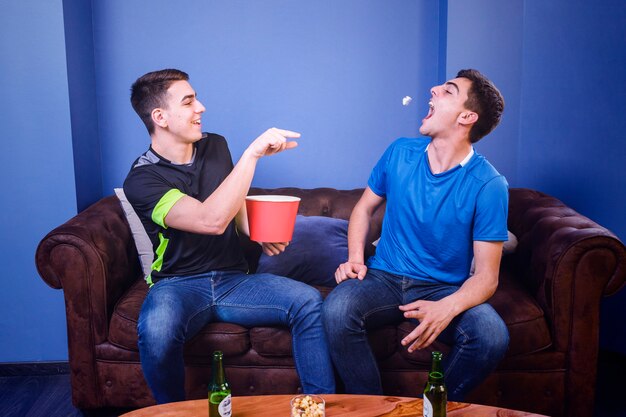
x: 160, y: 252
x: 164, y: 205
x: 158, y: 262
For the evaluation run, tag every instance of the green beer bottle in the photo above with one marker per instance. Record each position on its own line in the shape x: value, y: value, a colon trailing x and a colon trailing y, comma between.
x: 219, y: 393
x: 435, y: 392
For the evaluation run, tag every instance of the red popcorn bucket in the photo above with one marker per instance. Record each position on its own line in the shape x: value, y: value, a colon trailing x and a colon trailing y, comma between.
x: 271, y: 218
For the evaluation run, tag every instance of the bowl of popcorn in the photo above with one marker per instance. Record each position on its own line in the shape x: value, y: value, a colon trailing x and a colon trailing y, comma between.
x: 308, y: 406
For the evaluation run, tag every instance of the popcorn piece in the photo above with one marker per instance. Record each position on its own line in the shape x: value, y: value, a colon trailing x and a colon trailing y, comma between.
x: 406, y: 100
x: 307, y: 407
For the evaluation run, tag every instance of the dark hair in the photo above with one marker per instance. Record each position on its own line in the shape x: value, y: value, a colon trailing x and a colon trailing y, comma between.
x: 149, y: 92
x: 484, y: 99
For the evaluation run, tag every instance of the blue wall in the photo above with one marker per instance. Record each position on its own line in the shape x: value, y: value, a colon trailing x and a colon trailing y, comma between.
x: 572, y: 119
x: 336, y: 71
x: 37, y: 167
x: 496, y: 50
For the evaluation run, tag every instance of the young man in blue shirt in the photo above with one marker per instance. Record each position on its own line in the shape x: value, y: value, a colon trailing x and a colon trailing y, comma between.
x: 444, y: 205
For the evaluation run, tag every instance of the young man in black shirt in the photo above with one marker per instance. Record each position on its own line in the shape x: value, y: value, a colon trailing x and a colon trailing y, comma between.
x: 190, y: 198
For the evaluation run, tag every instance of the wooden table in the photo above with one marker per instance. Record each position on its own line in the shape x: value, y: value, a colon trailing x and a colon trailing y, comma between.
x: 336, y: 405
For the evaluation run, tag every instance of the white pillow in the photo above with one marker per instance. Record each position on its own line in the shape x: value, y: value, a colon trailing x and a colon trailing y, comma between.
x: 142, y: 241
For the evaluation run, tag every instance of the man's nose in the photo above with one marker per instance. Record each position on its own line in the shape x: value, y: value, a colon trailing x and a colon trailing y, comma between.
x: 200, y: 107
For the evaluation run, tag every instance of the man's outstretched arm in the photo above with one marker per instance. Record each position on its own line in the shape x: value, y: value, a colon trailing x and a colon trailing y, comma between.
x: 213, y: 215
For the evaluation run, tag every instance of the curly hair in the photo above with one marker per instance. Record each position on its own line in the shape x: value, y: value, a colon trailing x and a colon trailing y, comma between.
x: 149, y: 92
x: 484, y: 99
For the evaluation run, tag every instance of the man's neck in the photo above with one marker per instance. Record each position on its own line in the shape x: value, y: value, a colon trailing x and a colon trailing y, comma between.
x: 176, y: 151
x: 445, y: 154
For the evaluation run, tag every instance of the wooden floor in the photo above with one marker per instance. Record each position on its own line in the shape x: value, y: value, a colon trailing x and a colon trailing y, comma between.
x: 47, y: 393
x: 42, y: 396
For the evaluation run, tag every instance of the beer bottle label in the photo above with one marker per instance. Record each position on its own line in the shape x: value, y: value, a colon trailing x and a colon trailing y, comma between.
x: 428, y: 408
x: 224, y: 409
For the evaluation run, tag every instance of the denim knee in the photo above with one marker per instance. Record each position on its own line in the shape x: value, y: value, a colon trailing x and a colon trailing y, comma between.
x: 308, y: 303
x: 338, y: 314
x: 159, y: 333
x: 499, y: 338
x: 494, y: 334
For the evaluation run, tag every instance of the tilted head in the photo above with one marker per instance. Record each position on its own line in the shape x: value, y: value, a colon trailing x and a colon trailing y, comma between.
x: 485, y: 100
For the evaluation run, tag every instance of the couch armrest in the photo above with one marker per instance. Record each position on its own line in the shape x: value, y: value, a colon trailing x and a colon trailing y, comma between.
x: 93, y: 258
x: 569, y: 262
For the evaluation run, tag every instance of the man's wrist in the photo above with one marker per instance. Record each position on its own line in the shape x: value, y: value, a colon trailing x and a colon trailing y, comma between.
x: 249, y: 153
x: 356, y: 260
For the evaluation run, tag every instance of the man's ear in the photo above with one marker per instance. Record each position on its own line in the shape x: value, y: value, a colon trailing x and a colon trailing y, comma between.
x: 468, y: 118
x: 158, y: 117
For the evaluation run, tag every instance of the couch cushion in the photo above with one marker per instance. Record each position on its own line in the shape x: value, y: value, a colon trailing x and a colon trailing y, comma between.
x: 271, y: 341
x: 123, y: 324
x: 276, y: 341
x: 232, y: 339
x: 524, y: 318
x: 319, y: 245
x: 528, y: 329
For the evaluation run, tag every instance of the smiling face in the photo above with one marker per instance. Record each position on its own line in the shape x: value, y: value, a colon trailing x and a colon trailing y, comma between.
x: 447, y: 111
x: 182, y: 116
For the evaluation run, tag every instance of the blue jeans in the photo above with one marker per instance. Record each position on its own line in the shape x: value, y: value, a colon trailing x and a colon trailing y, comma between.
x: 478, y: 336
x: 177, y: 308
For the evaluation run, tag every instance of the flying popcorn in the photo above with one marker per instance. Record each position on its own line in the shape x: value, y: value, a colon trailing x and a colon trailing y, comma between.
x: 406, y: 100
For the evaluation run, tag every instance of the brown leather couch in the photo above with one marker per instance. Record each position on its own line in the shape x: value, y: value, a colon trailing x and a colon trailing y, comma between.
x: 549, y: 295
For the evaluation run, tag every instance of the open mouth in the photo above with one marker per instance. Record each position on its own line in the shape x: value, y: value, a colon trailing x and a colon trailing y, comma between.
x: 197, y: 122
x: 431, y: 110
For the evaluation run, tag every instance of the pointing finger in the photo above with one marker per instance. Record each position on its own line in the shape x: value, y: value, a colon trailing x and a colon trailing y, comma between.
x: 291, y: 144
x: 286, y: 133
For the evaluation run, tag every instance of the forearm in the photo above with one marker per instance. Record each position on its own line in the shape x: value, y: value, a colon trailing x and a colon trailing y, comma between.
x: 357, y: 233
x: 476, y: 290
x: 359, y: 225
x: 214, y: 214
x: 358, y: 229
x: 229, y: 198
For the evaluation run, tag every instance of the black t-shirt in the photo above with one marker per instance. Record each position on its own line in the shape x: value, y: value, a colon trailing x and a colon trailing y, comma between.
x: 151, y: 186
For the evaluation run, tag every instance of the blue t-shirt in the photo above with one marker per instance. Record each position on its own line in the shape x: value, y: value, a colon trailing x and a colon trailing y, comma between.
x: 431, y: 220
